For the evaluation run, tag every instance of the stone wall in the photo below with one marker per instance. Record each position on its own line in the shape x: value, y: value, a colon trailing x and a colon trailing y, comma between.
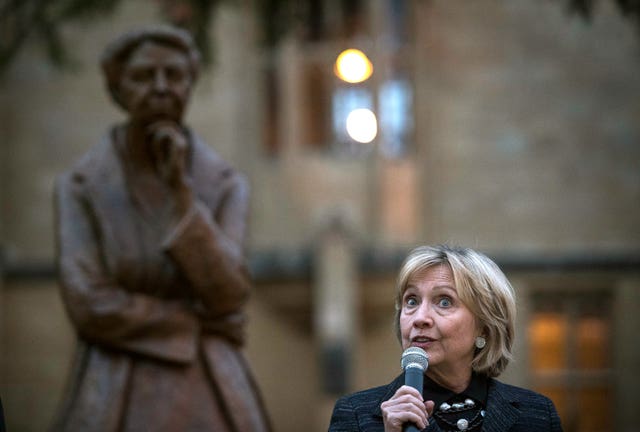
x: 529, y: 126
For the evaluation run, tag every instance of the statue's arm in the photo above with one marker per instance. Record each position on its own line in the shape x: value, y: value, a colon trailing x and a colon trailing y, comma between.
x: 101, y: 310
x: 208, y: 248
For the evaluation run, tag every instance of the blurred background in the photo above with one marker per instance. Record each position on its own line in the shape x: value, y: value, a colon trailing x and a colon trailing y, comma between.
x: 510, y: 126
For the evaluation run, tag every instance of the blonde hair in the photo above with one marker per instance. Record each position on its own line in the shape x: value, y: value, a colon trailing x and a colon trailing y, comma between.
x: 482, y: 287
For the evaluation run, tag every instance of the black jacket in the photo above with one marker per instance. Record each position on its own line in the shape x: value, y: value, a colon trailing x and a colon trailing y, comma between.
x: 2, y: 425
x: 509, y: 409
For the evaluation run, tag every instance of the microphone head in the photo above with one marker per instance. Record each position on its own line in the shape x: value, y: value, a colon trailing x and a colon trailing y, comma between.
x: 414, y: 357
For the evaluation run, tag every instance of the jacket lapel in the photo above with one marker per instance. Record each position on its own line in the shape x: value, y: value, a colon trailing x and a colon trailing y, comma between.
x: 501, y: 412
x: 390, y: 390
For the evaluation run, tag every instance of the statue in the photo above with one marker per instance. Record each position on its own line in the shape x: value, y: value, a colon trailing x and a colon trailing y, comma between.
x: 150, y: 228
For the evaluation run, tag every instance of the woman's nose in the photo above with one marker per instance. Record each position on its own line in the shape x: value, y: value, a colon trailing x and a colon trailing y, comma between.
x: 423, y: 316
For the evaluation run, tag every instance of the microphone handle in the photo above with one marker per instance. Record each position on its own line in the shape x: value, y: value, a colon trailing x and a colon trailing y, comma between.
x: 413, y: 377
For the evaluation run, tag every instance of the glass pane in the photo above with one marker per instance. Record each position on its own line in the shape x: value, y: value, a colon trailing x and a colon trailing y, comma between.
x: 548, y: 338
x: 344, y: 101
x: 595, y: 410
x: 593, y: 337
x: 396, y: 120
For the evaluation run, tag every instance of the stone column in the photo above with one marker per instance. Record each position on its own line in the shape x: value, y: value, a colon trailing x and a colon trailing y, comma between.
x: 335, y: 315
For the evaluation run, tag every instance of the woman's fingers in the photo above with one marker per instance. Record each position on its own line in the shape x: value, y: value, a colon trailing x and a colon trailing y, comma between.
x: 405, y: 406
x: 429, y: 405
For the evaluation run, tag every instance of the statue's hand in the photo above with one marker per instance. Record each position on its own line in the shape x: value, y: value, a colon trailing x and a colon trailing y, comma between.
x: 169, y: 145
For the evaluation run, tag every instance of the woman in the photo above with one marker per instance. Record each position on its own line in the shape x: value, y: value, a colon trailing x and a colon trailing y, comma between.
x: 150, y: 226
x: 459, y: 307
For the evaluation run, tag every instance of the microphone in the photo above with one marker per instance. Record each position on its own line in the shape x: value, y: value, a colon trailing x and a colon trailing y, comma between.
x: 414, y: 362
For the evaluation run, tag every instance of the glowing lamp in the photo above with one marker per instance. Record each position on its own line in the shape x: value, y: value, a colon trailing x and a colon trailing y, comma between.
x: 362, y: 125
x: 353, y: 66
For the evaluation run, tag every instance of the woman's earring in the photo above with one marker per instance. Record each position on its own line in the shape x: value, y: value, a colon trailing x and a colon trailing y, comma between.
x: 480, y: 342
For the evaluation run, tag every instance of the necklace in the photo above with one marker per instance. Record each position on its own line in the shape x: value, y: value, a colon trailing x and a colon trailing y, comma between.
x: 450, y: 416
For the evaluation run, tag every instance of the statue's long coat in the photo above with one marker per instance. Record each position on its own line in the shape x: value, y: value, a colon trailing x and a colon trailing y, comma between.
x: 158, y: 314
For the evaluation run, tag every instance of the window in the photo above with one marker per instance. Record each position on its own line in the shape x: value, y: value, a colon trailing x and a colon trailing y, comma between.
x: 570, y: 357
x: 306, y: 107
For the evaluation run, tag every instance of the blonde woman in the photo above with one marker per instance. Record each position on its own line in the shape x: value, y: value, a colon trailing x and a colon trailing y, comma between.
x: 458, y: 306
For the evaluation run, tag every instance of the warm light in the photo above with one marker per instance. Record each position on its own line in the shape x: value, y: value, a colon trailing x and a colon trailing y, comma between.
x: 548, y: 338
x: 362, y: 125
x: 353, y: 66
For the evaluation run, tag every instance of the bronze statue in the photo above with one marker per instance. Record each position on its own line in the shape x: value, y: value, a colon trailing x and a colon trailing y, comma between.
x: 150, y: 228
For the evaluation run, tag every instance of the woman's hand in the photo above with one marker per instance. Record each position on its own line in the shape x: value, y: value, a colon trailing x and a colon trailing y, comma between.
x: 406, y: 405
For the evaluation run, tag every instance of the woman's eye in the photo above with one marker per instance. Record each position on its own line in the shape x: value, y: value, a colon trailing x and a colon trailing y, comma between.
x: 411, y: 301
x: 445, y: 302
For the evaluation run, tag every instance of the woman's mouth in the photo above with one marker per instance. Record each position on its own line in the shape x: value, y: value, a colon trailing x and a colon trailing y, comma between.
x: 421, y: 340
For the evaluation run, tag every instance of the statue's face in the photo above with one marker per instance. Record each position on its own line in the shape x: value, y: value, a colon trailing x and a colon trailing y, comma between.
x: 155, y: 83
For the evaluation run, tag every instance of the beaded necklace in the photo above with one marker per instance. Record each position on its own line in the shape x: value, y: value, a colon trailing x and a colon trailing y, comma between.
x: 459, y: 416
x: 462, y: 411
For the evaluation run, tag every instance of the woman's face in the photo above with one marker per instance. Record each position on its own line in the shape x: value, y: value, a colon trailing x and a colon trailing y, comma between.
x: 155, y: 83
x: 434, y: 318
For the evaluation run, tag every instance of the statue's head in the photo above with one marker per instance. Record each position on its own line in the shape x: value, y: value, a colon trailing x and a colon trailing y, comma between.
x: 150, y: 72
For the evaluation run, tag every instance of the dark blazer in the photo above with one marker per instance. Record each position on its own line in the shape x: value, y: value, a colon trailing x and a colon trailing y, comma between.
x: 509, y: 409
x: 2, y: 426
